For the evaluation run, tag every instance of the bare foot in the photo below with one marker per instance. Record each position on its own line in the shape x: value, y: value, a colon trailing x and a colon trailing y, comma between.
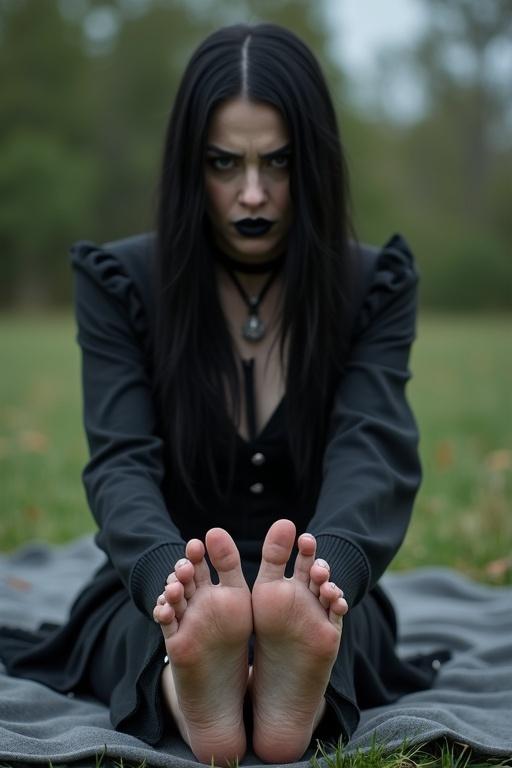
x: 297, y: 624
x: 206, y: 629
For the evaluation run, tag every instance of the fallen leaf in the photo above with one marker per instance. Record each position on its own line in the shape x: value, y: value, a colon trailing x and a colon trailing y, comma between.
x: 32, y: 512
x: 497, y: 569
x: 444, y: 454
x: 499, y: 461
x: 21, y: 585
x: 33, y: 442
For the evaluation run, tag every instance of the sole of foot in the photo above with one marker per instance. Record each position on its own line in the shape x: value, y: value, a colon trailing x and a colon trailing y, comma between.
x: 297, y: 625
x: 206, y: 628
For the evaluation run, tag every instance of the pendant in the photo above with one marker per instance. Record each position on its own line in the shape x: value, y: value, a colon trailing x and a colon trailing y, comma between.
x: 253, y: 329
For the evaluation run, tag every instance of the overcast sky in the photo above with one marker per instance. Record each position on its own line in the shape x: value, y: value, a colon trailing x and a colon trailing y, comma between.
x: 363, y: 28
x: 367, y: 25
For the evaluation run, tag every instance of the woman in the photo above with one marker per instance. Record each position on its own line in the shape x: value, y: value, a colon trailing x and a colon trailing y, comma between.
x: 245, y: 368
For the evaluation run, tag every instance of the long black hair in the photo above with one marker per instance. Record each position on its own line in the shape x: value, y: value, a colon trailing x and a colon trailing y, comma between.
x: 194, y: 353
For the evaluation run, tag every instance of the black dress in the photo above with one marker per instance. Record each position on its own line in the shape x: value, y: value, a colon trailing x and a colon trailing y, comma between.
x: 359, y: 511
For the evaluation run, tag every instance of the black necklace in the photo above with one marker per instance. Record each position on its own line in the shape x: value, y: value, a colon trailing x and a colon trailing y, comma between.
x: 254, y: 328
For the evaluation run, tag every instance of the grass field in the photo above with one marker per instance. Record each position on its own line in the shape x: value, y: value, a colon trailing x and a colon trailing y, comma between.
x: 461, y: 394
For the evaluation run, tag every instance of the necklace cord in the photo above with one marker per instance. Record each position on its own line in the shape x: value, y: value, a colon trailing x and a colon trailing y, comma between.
x: 254, y: 328
x: 253, y: 302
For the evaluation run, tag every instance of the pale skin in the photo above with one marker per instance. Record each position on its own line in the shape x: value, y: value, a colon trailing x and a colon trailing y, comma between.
x: 297, y: 621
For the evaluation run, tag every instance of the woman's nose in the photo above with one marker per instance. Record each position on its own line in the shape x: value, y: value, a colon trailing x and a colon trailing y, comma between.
x: 253, y: 191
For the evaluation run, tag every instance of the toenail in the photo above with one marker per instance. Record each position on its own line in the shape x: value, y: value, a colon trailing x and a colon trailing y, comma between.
x: 181, y: 562
x: 161, y: 600
x: 322, y: 563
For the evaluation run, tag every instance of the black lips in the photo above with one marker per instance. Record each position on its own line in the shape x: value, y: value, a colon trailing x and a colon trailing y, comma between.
x: 253, y: 227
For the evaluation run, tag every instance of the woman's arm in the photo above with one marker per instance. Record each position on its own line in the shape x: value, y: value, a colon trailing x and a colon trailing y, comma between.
x: 124, y: 474
x: 371, y: 464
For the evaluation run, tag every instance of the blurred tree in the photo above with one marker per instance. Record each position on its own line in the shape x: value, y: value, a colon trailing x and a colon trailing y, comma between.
x: 46, y: 170
x: 47, y: 191
x: 461, y: 57
x: 135, y: 85
x: 453, y: 164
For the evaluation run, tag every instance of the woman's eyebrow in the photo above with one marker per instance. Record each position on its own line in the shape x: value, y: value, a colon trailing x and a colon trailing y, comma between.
x: 284, y: 150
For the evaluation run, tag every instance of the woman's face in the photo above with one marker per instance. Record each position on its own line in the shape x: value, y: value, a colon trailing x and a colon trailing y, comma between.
x: 247, y: 176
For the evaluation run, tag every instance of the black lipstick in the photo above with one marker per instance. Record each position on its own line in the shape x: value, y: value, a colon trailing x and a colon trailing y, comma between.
x: 253, y: 227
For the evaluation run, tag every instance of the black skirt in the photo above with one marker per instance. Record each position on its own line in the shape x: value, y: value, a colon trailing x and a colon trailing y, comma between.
x: 110, y: 650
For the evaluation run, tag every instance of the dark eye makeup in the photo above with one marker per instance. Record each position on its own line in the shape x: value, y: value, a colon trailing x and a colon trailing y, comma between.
x: 221, y: 162
x: 225, y: 162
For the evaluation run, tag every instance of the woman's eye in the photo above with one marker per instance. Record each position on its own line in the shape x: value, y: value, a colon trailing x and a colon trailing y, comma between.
x: 222, y: 163
x: 280, y: 162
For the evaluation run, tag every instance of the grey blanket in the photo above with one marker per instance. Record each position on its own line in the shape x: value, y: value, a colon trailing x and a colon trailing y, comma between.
x: 471, y: 701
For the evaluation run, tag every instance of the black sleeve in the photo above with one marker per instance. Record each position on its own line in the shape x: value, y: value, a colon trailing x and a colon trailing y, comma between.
x: 124, y: 474
x: 371, y: 464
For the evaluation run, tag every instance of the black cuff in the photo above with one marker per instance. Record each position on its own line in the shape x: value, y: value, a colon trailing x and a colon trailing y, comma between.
x: 149, y: 575
x: 349, y: 567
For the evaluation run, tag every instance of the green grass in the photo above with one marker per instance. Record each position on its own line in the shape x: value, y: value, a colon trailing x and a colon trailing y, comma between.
x: 462, y: 397
x: 461, y: 394
x: 439, y: 755
x: 42, y: 447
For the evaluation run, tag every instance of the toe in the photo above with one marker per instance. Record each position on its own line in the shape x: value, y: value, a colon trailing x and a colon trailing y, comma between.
x: 163, y: 613
x: 318, y: 575
x: 330, y: 593
x: 276, y: 551
x: 195, y: 552
x: 175, y: 596
x: 337, y: 611
x: 185, y: 572
x: 165, y: 616
x: 305, y: 558
x: 225, y: 557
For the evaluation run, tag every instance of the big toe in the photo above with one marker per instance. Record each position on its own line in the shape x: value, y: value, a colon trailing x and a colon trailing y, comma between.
x: 276, y: 551
x: 225, y: 557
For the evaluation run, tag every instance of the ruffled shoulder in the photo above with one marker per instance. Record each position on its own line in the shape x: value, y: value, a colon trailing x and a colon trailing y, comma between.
x: 110, y: 272
x: 391, y: 272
